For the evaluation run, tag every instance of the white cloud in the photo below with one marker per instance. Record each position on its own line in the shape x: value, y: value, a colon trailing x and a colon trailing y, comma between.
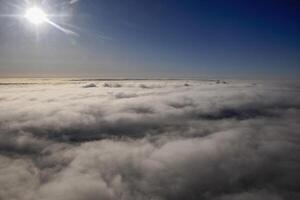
x: 162, y: 141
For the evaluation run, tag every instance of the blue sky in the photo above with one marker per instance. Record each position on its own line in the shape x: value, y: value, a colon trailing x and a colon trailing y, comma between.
x: 138, y: 38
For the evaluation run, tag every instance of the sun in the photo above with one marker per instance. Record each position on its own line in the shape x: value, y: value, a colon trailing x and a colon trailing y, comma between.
x: 36, y: 15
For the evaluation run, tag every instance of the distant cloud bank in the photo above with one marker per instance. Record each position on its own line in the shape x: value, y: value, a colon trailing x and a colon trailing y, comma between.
x: 140, y: 140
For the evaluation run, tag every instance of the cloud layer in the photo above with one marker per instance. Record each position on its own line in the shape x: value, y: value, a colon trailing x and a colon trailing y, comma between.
x: 162, y: 140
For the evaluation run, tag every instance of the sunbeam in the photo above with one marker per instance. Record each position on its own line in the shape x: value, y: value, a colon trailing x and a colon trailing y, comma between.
x: 64, y: 30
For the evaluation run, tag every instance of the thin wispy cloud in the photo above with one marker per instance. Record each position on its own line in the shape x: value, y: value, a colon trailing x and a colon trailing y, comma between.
x: 73, y: 1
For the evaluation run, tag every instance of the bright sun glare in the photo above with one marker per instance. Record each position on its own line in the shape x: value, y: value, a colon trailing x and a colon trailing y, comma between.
x: 36, y: 15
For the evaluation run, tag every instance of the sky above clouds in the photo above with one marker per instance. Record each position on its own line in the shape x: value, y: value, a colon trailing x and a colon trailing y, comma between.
x: 138, y: 38
x: 140, y: 100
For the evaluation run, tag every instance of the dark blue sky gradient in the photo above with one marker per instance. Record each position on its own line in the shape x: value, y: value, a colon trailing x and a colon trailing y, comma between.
x: 183, y: 38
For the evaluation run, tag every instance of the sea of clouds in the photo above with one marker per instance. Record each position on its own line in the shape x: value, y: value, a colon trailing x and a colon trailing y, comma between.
x: 149, y: 140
